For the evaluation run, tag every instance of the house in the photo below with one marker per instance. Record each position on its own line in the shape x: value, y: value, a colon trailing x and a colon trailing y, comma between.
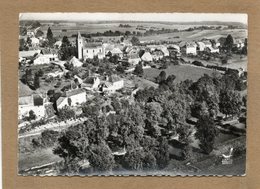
x: 174, y: 47
x: 75, y: 62
x: 40, y: 59
x: 201, y: 46
x: 55, y: 74
x: 147, y: 57
x: 239, y: 44
x: 157, y: 54
x: 28, y: 54
x: 91, y: 83
x: 33, y: 102
x: 207, y: 43
x: 117, y: 51
x: 35, y: 42
x: 133, y: 59
x: 212, y: 50
x: 165, y: 51
x: 72, y: 98
x: 189, y: 48
x: 52, y: 54
x: 111, y: 84
x: 57, y: 44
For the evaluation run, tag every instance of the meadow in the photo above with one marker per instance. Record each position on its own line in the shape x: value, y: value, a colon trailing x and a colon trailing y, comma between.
x: 182, y: 72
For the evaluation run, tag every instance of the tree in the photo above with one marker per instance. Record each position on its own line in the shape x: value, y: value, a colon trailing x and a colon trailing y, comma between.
x: 120, y: 69
x: 66, y: 50
x: 135, y: 41
x: 32, y: 115
x: 229, y: 43
x: 138, y: 70
x: 29, y: 41
x: 36, y: 82
x: 230, y: 102
x: 134, y: 159
x: 206, y: 133
x: 50, y: 37
x: 101, y: 157
x: 66, y: 113
x: 161, y: 78
x: 22, y: 45
x: 244, y: 49
x: 162, y: 155
x: 39, y: 33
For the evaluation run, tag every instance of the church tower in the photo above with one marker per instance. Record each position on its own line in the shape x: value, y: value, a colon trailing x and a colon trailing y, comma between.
x: 80, y: 46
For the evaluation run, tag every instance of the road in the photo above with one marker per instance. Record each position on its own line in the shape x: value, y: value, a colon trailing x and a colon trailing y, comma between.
x: 53, y: 126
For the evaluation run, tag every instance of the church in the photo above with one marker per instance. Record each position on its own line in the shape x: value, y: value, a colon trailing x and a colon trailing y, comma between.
x: 89, y: 50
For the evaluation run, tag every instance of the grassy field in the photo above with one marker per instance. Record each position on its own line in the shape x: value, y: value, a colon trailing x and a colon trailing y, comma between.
x: 36, y: 158
x: 182, y: 72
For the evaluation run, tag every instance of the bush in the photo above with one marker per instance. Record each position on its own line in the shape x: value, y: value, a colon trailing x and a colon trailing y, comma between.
x: 197, y: 63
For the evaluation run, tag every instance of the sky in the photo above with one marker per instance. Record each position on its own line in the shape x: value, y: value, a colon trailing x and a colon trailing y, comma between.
x: 168, y: 17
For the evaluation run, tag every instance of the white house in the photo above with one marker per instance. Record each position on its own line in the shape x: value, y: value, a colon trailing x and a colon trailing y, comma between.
x: 72, y: 98
x: 147, y: 57
x: 201, y: 46
x: 189, y: 48
x: 34, y: 102
x: 207, y: 43
x: 117, y: 51
x: 35, y: 42
x: 212, y: 50
x: 57, y: 44
x: 112, y: 84
x: 52, y: 54
x: 41, y: 59
x: 165, y: 51
x: 134, y: 59
x: 75, y: 62
x: 55, y: 74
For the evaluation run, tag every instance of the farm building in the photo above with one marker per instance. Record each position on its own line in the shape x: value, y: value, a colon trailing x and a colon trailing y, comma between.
x: 72, y: 98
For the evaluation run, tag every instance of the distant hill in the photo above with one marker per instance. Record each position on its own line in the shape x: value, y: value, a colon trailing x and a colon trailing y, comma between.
x: 237, y: 24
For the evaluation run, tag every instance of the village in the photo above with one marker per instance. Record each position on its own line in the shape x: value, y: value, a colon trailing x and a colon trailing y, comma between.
x: 144, y: 96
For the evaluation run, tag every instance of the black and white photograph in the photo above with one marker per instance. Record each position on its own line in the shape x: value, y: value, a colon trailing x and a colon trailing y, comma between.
x: 132, y: 94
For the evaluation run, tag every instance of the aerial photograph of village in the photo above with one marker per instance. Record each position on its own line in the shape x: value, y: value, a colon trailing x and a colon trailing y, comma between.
x: 132, y: 94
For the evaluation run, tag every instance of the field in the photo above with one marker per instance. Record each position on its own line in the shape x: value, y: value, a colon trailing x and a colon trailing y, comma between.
x: 69, y: 29
x: 182, y: 72
x: 197, y: 35
x: 36, y: 158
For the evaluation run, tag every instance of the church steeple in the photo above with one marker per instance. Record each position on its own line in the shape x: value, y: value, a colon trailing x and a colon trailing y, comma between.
x: 80, y: 46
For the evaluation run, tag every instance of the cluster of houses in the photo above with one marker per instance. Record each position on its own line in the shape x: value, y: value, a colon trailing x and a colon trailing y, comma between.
x: 125, y: 51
